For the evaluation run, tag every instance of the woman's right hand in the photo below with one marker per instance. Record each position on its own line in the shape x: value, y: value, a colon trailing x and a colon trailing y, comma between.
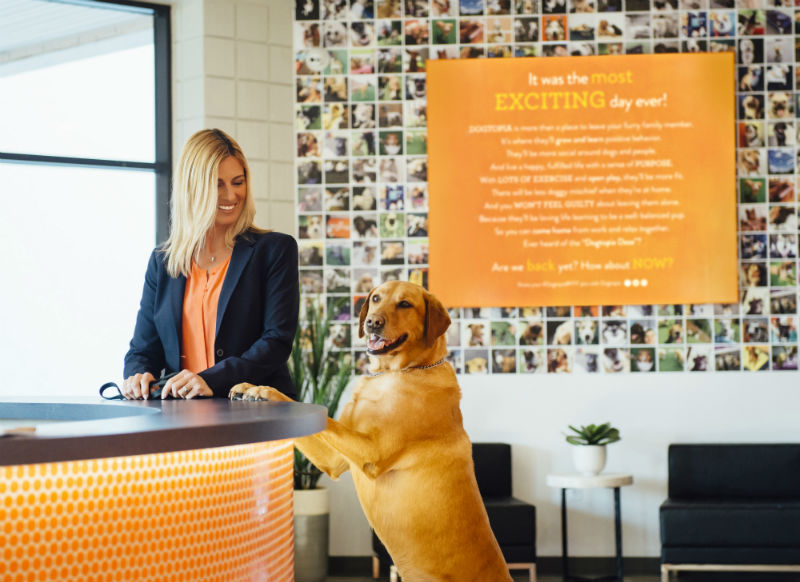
x: 137, y: 387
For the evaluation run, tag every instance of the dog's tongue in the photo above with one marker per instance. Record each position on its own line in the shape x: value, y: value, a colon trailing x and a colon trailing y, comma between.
x: 375, y: 342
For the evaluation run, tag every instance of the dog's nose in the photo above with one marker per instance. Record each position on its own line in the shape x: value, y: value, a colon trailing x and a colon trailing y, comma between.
x: 374, y: 323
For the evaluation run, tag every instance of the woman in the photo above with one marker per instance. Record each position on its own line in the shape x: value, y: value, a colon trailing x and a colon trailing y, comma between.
x: 220, y: 298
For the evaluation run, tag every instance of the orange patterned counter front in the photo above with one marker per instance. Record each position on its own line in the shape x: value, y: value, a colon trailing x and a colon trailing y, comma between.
x: 210, y: 514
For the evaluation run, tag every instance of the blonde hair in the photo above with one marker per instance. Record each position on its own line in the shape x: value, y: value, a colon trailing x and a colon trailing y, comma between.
x: 193, y: 204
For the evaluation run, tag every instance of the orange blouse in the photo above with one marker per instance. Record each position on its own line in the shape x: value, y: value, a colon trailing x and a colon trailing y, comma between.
x: 200, y: 316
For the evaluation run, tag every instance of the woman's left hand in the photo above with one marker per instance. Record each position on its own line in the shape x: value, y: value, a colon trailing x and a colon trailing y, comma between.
x: 186, y: 384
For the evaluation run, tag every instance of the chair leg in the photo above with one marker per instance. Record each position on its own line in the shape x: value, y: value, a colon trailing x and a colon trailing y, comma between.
x: 394, y: 575
x: 532, y: 574
x: 665, y: 573
x: 376, y: 567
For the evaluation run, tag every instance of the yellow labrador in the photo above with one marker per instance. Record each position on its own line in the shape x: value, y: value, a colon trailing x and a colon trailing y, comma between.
x: 402, y: 438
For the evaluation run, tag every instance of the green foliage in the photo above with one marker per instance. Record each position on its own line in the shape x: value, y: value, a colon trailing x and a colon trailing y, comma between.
x: 603, y: 434
x: 320, y: 375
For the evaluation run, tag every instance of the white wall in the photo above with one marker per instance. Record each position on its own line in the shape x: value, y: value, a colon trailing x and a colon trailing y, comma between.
x: 232, y: 70
x: 652, y: 411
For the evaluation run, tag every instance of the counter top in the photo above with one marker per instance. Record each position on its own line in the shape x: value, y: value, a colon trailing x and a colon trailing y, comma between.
x: 70, y: 431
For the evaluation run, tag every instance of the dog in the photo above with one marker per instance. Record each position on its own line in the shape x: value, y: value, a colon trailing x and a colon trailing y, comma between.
x: 615, y: 360
x: 475, y: 335
x: 402, y: 438
x: 586, y: 331
x: 554, y: 30
x: 615, y: 333
x: 364, y: 283
x: 675, y: 334
x: 750, y: 79
x: 532, y: 335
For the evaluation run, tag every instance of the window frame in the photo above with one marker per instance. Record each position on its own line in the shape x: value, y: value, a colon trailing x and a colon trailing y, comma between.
x: 162, y: 164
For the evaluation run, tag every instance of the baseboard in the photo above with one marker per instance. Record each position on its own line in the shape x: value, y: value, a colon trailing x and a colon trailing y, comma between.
x: 360, y: 566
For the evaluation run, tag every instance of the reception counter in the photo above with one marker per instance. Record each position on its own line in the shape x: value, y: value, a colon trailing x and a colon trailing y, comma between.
x: 149, y: 490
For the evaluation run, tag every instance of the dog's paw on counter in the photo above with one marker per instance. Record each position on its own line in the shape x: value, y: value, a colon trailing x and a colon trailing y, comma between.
x: 246, y: 391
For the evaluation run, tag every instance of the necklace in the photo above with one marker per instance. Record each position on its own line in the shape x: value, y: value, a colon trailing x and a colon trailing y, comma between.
x: 439, y: 363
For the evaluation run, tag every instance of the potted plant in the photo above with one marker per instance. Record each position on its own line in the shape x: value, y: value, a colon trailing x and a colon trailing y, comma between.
x: 320, y: 375
x: 589, y: 454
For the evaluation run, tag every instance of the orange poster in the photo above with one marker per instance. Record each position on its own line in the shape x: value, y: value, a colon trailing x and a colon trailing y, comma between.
x: 582, y: 181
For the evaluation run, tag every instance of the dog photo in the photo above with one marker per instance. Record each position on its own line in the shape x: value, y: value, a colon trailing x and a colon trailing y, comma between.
x: 310, y: 254
x: 365, y: 254
x: 526, y: 29
x: 416, y: 225
x: 726, y: 331
x: 755, y: 300
x: 533, y: 361
x: 783, y: 246
x: 559, y: 332
x: 306, y: 10
x: 698, y: 358
x: 336, y: 171
x: 337, y: 226
x: 781, y: 190
x: 752, y: 190
x: 309, y: 200
x: 670, y: 331
x: 643, y: 331
x: 310, y: 226
x: 364, y: 171
x: 337, y: 254
x: 783, y: 301
x: 755, y: 358
x: 390, y: 197
x: 782, y: 274
x: 475, y: 333
x: 504, y: 361
x: 392, y: 252
x: 554, y: 28
x: 643, y: 360
x: 503, y: 333
x: 311, y: 281
x: 614, y: 332
x: 784, y: 358
x: 586, y: 331
x: 753, y: 274
x: 476, y: 361
x: 559, y: 361
x: 615, y: 360
x: 337, y: 280
x: 309, y: 172
x: 726, y: 360
x: 752, y: 217
x: 586, y: 361
x: 753, y: 246
x: 308, y: 117
x: 698, y: 331
x: 531, y: 332
x: 670, y: 360
x: 783, y: 329
x: 417, y: 252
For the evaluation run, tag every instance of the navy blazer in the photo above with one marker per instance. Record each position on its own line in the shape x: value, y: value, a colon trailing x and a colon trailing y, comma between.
x: 256, y: 317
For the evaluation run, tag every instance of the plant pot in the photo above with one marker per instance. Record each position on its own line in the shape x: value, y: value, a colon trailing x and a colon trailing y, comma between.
x: 589, y: 459
x: 311, y: 511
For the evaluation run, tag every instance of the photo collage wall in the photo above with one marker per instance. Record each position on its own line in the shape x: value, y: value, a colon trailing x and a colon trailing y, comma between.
x: 361, y: 174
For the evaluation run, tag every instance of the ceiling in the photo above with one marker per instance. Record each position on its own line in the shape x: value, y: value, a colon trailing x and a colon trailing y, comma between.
x: 34, y: 27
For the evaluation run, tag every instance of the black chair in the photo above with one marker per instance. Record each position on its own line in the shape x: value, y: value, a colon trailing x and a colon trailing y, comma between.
x: 732, y: 507
x: 513, y: 521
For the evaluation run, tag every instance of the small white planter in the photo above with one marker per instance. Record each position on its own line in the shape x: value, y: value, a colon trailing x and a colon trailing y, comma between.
x: 589, y: 459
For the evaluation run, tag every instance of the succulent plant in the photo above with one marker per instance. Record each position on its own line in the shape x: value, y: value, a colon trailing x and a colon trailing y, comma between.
x: 602, y: 434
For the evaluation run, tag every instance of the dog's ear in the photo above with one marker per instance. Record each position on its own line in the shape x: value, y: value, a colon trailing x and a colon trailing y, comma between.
x: 363, y: 315
x: 437, y: 320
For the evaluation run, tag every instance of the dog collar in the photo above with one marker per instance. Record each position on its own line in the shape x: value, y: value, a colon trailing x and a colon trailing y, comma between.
x: 439, y: 363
